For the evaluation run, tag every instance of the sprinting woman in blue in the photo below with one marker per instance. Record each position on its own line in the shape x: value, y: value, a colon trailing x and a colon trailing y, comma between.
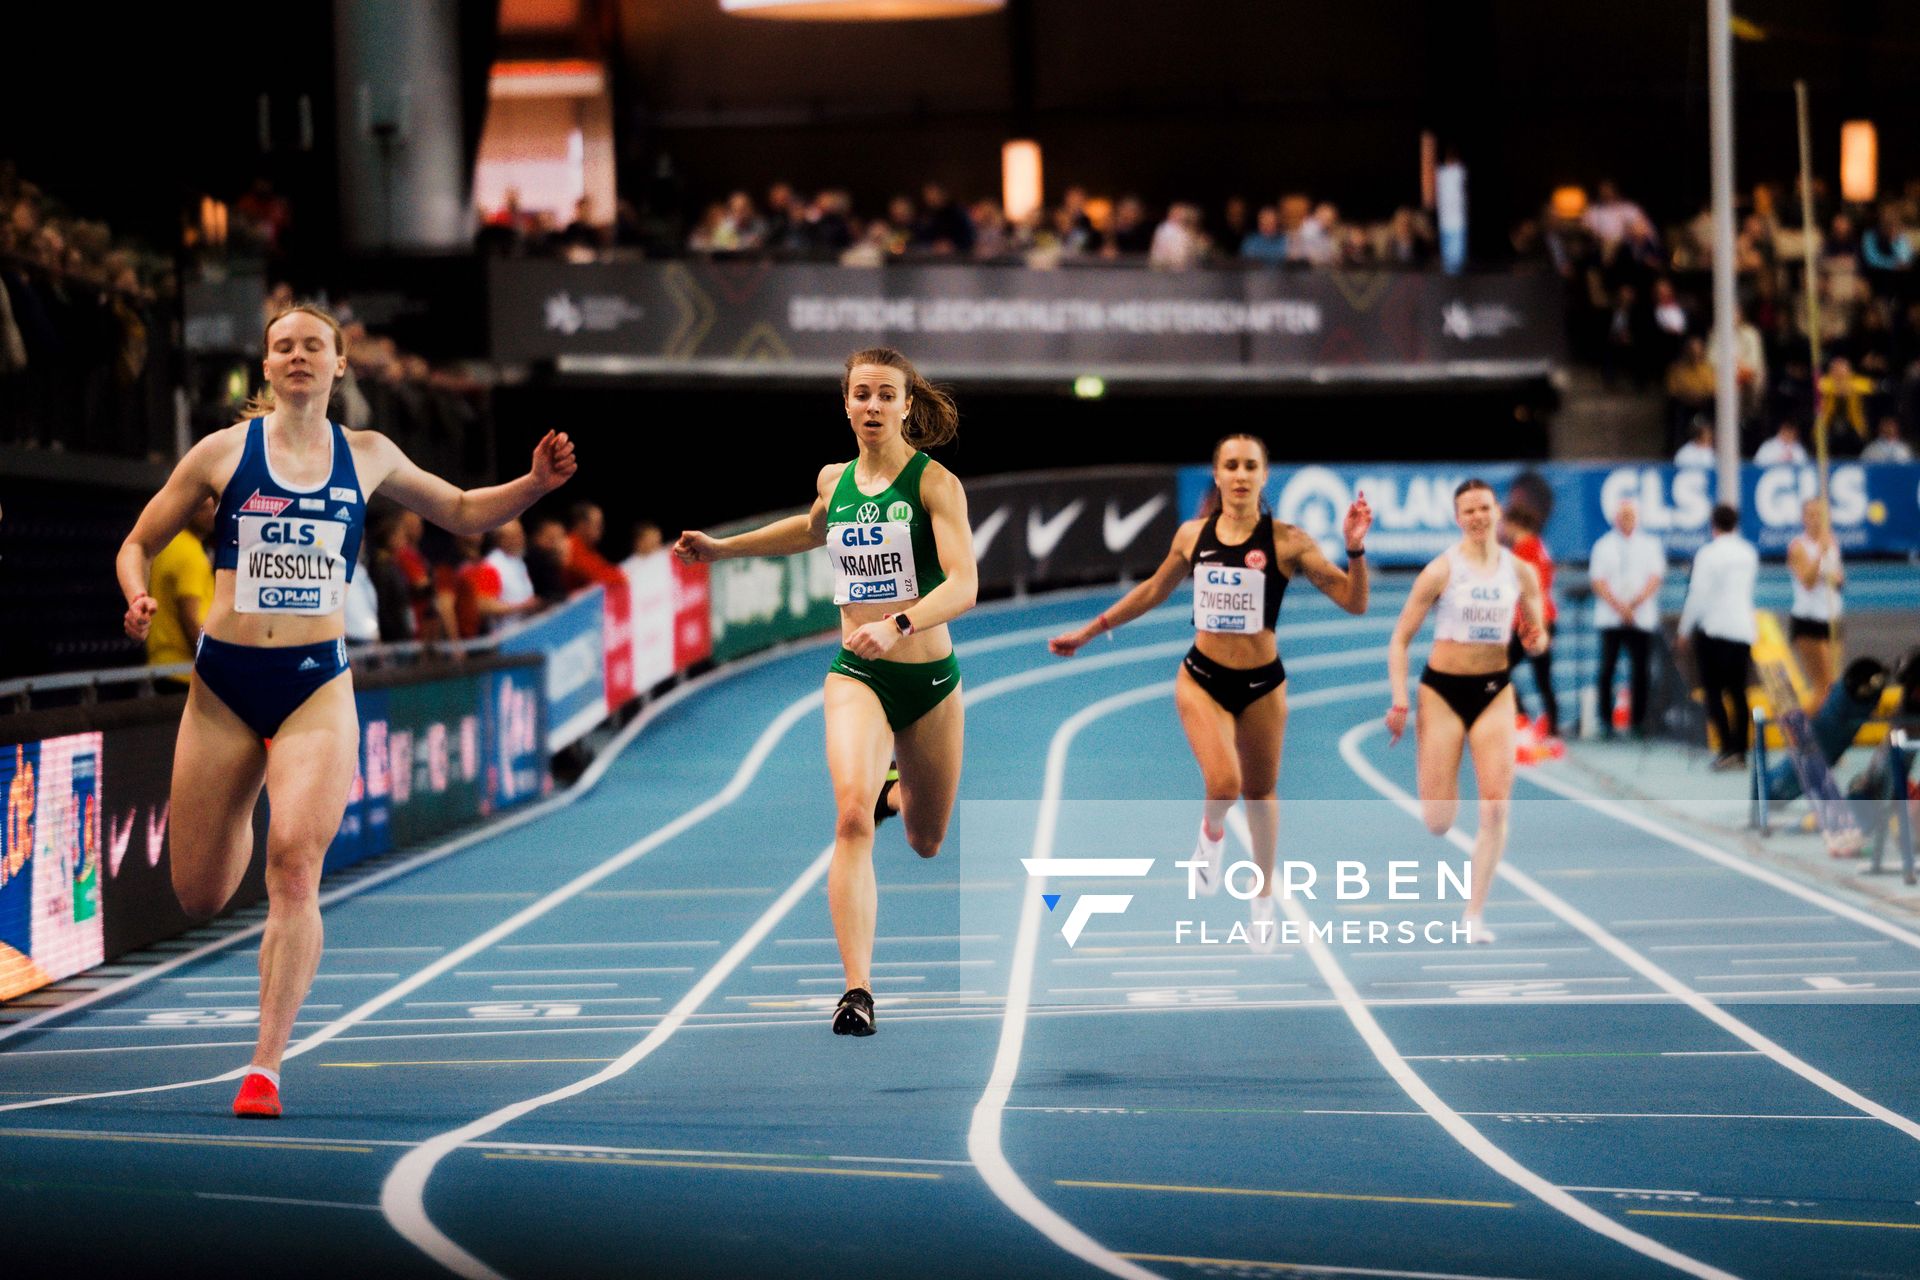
x: 292, y: 489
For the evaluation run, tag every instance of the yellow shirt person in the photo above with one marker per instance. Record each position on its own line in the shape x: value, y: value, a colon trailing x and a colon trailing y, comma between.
x: 182, y: 585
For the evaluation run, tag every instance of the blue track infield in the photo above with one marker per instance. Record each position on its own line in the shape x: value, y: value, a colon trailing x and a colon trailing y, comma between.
x: 1663, y: 1066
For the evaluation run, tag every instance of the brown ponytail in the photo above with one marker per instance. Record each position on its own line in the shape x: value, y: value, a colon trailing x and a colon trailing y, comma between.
x: 260, y: 403
x: 932, y: 417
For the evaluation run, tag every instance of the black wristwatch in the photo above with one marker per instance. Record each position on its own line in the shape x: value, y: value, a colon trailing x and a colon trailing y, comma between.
x: 902, y: 623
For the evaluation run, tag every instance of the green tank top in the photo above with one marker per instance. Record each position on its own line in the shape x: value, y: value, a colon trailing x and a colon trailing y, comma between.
x: 882, y: 544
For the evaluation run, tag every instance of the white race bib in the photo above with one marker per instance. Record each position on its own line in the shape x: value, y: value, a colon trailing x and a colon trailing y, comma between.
x: 289, y: 564
x: 1230, y: 599
x: 872, y: 563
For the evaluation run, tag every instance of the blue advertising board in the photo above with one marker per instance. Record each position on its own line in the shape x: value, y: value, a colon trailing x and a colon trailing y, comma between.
x: 572, y: 640
x: 1876, y: 509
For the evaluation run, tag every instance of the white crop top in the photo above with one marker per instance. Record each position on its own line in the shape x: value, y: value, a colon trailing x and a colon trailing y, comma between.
x: 1477, y: 610
x: 1821, y: 602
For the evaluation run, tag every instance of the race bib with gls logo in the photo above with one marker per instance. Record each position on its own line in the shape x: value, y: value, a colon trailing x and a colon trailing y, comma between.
x: 872, y: 562
x: 290, y: 565
x: 1228, y: 598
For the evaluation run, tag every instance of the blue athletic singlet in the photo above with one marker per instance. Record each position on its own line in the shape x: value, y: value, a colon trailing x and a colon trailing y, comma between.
x: 291, y: 550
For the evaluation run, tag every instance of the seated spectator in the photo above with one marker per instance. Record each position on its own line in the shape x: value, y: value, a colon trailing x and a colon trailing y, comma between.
x: 874, y: 249
x: 784, y: 218
x: 546, y: 557
x: 490, y: 591
x: 393, y: 589
x: 1886, y: 246
x: 942, y: 228
x: 743, y: 229
x: 586, y: 525
x: 1610, y: 215
x: 507, y: 556
x: 1316, y: 242
x: 826, y: 226
x: 992, y: 237
x: 1265, y: 243
x: 1690, y: 385
x: 1783, y: 448
x: 1698, y: 451
x: 1132, y: 232
x: 1887, y: 446
x: 647, y: 538
x: 1178, y: 242
x: 1074, y: 224
x: 583, y: 238
x: 1409, y: 240
x: 1669, y: 317
x: 708, y: 235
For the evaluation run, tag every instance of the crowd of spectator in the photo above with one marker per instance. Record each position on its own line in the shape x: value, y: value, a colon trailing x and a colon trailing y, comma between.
x: 935, y: 226
x: 1640, y: 308
x: 86, y: 331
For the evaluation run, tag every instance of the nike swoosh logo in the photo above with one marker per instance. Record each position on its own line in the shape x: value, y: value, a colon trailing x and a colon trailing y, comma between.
x: 119, y: 838
x: 989, y: 529
x: 1260, y: 684
x: 942, y: 680
x: 850, y: 506
x: 1207, y: 555
x: 1044, y: 535
x: 1119, y: 531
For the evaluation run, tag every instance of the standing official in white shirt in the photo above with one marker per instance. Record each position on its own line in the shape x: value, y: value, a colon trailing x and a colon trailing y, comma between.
x: 1626, y: 569
x: 1718, y: 616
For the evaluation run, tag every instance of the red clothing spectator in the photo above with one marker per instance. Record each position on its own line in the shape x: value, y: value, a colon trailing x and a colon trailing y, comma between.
x: 586, y: 566
x: 1529, y: 547
x: 474, y: 583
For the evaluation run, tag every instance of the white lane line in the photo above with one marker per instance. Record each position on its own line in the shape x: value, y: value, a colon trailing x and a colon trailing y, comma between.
x: 1825, y: 901
x: 1694, y: 922
x: 554, y: 986
x: 1350, y: 751
x: 304, y: 1204
x: 930, y: 937
x: 1176, y: 973
x: 1761, y: 946
x: 402, y: 1196
x: 403, y: 1193
x: 877, y: 964
x: 984, y: 1131
x: 601, y: 946
x: 434, y: 853
x: 254, y: 979
x: 554, y: 973
x: 1209, y: 986
x: 736, y: 786
x: 1456, y: 1125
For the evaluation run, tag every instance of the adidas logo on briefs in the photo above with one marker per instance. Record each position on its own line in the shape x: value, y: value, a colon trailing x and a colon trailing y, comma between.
x: 309, y: 665
x: 261, y: 504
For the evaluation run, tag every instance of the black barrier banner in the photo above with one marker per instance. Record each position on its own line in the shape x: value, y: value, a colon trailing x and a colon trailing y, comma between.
x: 138, y: 900
x: 1072, y: 526
x: 749, y: 317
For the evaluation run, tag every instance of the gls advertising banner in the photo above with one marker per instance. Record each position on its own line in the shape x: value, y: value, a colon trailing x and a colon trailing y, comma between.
x: 1876, y: 509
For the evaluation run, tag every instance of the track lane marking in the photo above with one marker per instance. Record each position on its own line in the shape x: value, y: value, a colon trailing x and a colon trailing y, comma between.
x: 1350, y: 751
x: 1452, y: 1122
x: 1283, y: 1195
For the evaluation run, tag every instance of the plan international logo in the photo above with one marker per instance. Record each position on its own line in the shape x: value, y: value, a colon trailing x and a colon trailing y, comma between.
x: 1243, y: 880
